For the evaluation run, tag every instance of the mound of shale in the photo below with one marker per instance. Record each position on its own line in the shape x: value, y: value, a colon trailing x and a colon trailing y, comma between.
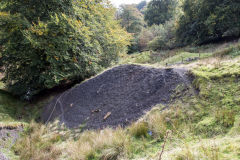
x: 116, y: 97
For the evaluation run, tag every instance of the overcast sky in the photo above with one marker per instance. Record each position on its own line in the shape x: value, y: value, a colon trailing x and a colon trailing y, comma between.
x: 119, y: 2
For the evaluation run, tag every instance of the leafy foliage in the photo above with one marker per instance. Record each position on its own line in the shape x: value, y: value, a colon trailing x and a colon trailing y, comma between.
x: 159, y: 11
x: 132, y: 20
x: 141, y: 5
x: 208, y: 20
x: 164, y: 36
x: 58, y: 42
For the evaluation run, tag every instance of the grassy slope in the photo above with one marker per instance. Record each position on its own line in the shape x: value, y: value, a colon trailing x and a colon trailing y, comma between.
x: 14, y: 113
x: 203, y: 126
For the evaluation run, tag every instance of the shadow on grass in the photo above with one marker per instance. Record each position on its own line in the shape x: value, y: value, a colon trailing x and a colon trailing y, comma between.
x: 14, y: 110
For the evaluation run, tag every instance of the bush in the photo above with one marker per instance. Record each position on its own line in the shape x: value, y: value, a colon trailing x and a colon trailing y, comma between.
x: 144, y: 38
x: 60, y: 46
x: 165, y: 36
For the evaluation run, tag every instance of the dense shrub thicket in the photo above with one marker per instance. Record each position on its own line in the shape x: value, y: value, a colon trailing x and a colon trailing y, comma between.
x: 46, y: 43
x: 208, y: 20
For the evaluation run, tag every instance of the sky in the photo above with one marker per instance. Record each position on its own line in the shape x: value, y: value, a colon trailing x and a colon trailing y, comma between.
x: 117, y: 3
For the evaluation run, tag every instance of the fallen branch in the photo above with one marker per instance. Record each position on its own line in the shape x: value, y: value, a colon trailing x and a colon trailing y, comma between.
x: 163, y: 147
x: 107, y: 115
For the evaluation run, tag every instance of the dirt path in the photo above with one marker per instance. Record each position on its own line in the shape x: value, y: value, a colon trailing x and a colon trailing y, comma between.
x: 116, y: 97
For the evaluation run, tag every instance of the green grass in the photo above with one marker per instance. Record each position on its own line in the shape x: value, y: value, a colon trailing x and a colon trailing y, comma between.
x: 162, y: 59
x: 140, y: 58
x: 14, y: 112
x: 184, y: 57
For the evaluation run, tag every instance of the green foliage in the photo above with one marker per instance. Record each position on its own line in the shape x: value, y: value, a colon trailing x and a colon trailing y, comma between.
x: 208, y: 20
x: 159, y: 11
x: 56, y: 44
x: 144, y: 38
x: 165, y: 36
x: 141, y: 5
x: 132, y: 19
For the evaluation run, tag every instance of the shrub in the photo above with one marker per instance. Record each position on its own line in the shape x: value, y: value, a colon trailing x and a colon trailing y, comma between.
x: 144, y: 38
x: 165, y: 36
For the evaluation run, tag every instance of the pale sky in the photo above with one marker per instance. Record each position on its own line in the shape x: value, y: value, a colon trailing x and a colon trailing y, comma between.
x: 117, y: 3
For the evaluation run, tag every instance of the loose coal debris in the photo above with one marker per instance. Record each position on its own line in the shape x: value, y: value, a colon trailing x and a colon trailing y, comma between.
x: 116, y: 97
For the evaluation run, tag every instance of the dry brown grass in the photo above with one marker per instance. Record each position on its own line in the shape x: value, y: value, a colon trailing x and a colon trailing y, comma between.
x: 111, y: 143
x: 38, y: 144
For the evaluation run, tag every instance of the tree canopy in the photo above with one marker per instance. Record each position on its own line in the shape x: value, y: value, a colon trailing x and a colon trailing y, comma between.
x: 208, y: 20
x: 159, y: 11
x: 132, y: 19
x: 47, y: 43
x: 141, y: 5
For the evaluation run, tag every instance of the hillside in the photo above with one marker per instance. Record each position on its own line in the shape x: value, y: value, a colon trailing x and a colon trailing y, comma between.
x: 155, y: 80
x: 204, y: 125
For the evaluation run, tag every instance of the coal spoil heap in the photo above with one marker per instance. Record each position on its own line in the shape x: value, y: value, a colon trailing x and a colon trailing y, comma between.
x: 116, y: 97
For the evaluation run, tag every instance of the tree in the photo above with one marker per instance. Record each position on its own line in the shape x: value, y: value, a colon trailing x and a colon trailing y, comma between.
x: 132, y: 19
x: 48, y: 43
x: 141, y: 5
x: 209, y: 20
x: 144, y: 38
x: 159, y: 11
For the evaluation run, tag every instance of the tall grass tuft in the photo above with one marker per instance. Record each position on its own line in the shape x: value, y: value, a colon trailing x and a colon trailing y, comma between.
x: 107, y: 144
x: 38, y: 144
x: 139, y: 129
